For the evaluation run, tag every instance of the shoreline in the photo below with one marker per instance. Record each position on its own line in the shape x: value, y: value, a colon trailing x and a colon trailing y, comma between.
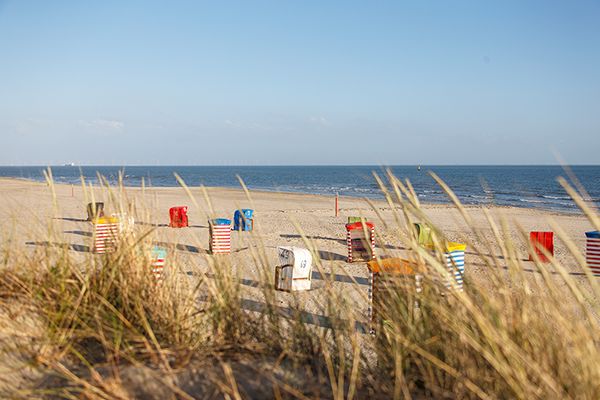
x: 429, y: 205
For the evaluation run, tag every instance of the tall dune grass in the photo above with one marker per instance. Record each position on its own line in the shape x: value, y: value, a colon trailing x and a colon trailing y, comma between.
x: 100, y: 327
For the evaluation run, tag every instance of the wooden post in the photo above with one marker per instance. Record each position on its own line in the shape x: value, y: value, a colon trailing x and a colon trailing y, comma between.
x: 72, y: 194
x: 337, y: 209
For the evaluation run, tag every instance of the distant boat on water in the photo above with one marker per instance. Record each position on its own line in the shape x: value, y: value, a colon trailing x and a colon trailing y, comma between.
x: 69, y: 165
x: 418, y: 167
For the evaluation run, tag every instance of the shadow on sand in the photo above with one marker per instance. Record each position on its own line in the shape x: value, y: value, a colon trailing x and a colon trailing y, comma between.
x: 330, y: 256
x: 73, y: 219
x: 305, y: 317
x: 81, y: 233
x: 167, y: 225
x: 182, y: 247
x: 295, y: 236
x: 76, y: 247
x: 531, y: 270
x: 340, y: 278
x: 315, y: 275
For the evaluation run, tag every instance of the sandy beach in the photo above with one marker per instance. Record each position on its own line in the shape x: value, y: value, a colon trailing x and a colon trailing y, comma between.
x: 425, y: 189
x: 31, y: 213
x: 27, y: 209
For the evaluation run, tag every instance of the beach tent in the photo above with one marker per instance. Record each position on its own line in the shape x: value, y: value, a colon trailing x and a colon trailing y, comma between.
x: 158, y: 256
x: 360, y: 239
x: 294, y: 272
x: 178, y: 217
x: 106, y: 234
x: 541, y: 241
x: 95, y: 210
x: 220, y: 236
x: 243, y: 220
x: 388, y: 278
x: 592, y: 251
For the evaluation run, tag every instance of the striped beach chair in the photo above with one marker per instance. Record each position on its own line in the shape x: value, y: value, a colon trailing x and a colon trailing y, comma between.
x: 126, y: 222
x: 455, y: 261
x: 387, y: 278
x: 360, y: 240
x: 220, y: 236
x: 592, y: 252
x: 106, y: 234
x: 158, y: 256
x: 454, y: 258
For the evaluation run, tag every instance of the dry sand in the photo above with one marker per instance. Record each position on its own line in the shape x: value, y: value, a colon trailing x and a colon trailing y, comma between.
x: 29, y: 212
x: 27, y: 208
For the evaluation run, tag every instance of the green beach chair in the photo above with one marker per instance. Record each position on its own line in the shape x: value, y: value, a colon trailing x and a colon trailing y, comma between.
x: 423, y: 234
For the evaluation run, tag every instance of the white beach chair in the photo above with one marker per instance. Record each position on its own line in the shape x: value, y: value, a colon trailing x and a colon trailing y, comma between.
x: 294, y: 272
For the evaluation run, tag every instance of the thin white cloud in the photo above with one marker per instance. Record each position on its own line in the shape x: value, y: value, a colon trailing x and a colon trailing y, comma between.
x: 320, y: 120
x: 103, y: 125
x: 234, y: 124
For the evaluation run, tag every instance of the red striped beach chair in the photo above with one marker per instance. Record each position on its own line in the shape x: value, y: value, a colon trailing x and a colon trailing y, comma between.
x: 106, y: 234
x: 158, y: 256
x: 220, y: 236
x: 360, y: 241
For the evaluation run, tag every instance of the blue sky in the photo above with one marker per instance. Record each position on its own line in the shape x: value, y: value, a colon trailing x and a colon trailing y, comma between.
x: 305, y: 82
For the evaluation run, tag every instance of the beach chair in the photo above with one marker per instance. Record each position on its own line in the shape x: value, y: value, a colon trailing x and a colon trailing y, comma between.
x: 219, y: 236
x: 243, y: 220
x: 178, y: 217
x: 360, y: 240
x: 95, y: 210
x: 455, y: 262
x: 592, y: 252
x: 126, y: 222
x: 352, y: 220
x: 541, y: 241
x: 387, y: 278
x: 454, y: 258
x: 294, y: 272
x: 106, y: 235
x: 423, y: 232
x: 158, y: 256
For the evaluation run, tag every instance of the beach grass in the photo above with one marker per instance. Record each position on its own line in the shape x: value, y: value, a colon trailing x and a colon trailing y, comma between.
x: 102, y: 327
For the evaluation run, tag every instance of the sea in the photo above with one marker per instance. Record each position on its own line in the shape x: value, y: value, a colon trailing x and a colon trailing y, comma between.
x: 520, y: 186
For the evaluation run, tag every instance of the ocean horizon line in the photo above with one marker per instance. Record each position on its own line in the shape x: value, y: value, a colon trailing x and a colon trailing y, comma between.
x: 533, y: 186
x: 423, y: 165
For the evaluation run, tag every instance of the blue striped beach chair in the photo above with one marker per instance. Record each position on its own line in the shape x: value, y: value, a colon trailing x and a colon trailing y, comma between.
x: 454, y: 255
x: 592, y: 252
